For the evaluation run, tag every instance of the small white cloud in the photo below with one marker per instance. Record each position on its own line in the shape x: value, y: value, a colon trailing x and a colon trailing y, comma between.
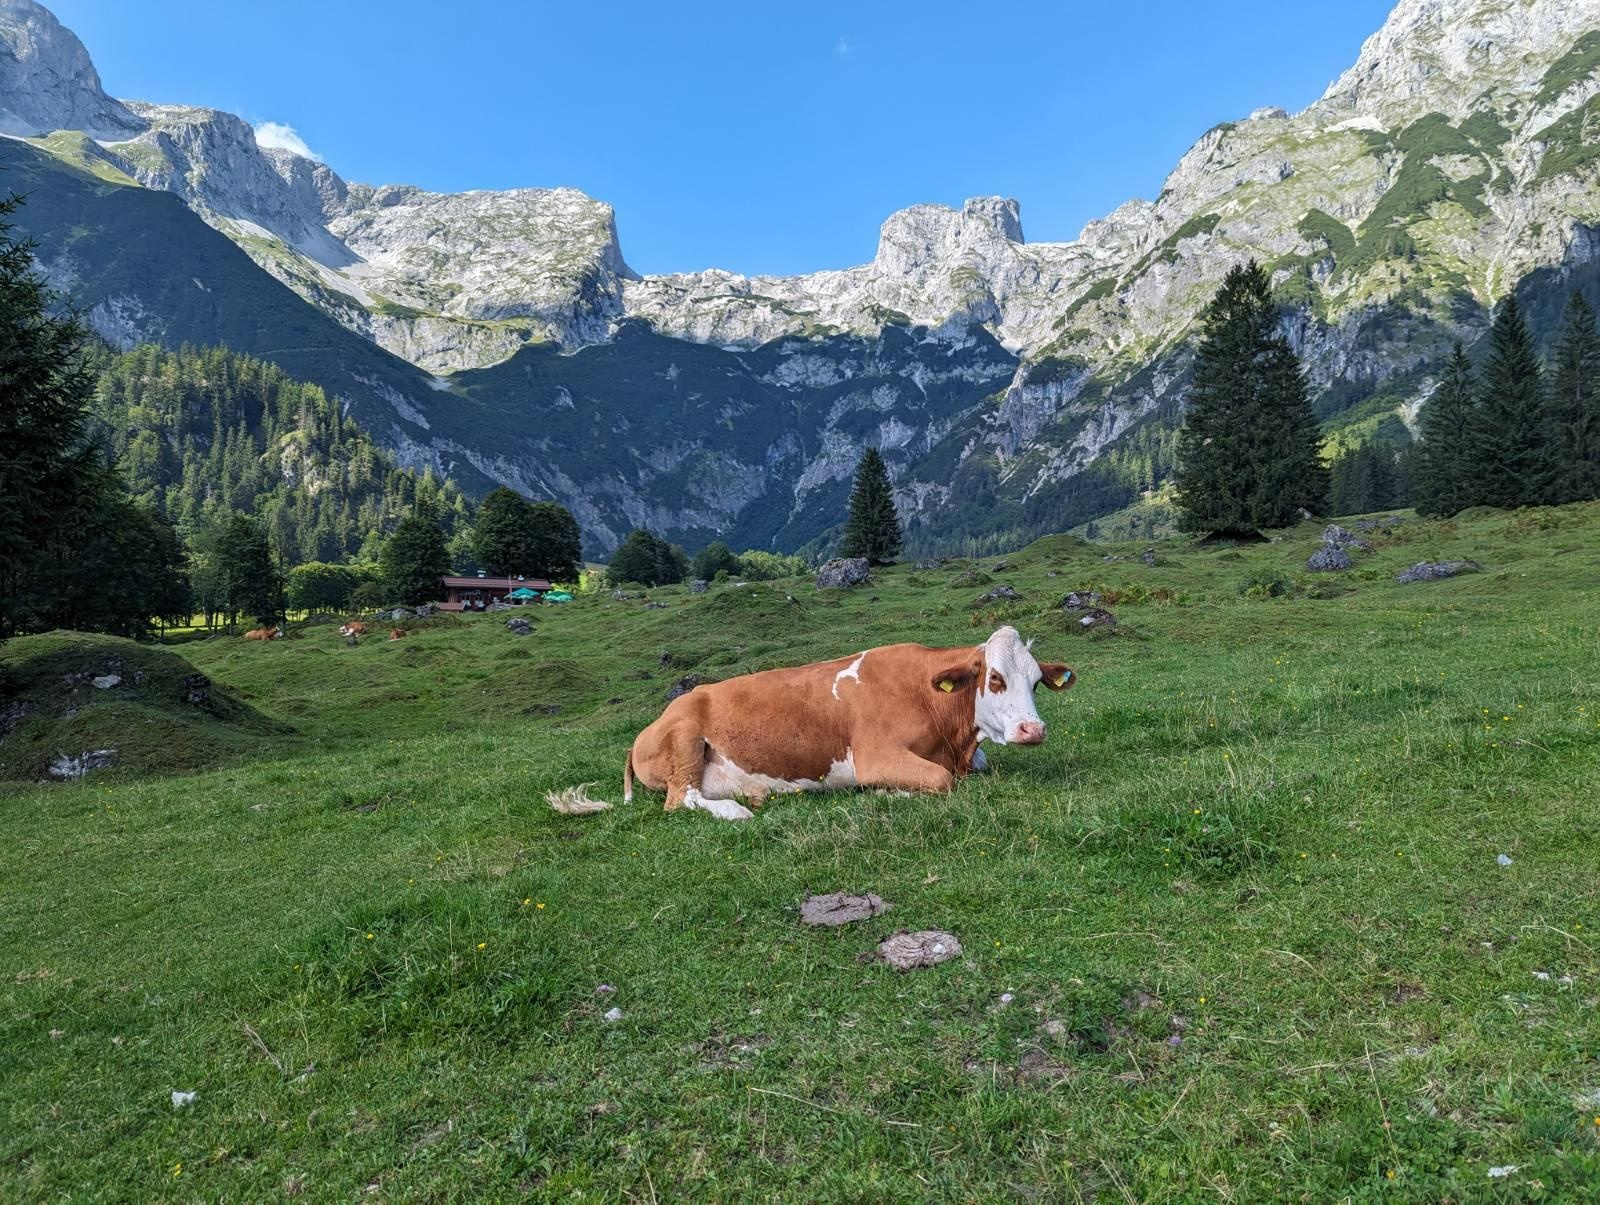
x: 842, y: 46
x: 284, y: 137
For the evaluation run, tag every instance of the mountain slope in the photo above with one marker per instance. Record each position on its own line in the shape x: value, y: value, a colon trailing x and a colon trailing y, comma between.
x: 1453, y: 159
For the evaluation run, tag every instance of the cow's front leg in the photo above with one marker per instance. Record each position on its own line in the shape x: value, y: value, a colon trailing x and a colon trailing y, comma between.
x: 904, y: 770
x: 686, y: 761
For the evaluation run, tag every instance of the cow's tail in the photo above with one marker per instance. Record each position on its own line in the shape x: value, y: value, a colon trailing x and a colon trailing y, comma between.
x: 575, y: 801
x: 627, y: 778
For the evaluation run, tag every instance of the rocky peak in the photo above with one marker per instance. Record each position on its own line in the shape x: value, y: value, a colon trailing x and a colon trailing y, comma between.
x: 210, y: 158
x: 914, y: 238
x: 47, y: 81
x: 1442, y: 55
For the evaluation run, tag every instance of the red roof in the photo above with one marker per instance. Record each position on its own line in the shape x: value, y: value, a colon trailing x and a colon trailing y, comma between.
x: 496, y: 583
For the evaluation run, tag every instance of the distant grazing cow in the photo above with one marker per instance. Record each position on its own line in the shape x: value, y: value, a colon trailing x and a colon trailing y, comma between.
x: 353, y: 629
x: 902, y: 716
x: 264, y: 634
x: 397, y: 633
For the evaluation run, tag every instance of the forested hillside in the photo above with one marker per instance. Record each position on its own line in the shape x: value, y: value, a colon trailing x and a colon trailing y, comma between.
x: 199, y: 433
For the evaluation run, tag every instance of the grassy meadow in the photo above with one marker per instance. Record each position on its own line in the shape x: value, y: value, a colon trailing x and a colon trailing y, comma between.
x: 1238, y: 931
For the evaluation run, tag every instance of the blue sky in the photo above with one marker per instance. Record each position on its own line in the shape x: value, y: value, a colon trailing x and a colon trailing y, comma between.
x: 754, y: 136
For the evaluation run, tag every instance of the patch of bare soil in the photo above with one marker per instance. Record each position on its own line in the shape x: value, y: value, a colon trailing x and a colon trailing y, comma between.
x: 925, y: 948
x: 721, y: 1051
x: 1037, y: 1067
x: 838, y: 908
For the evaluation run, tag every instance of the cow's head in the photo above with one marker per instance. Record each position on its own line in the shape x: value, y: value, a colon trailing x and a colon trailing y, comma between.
x: 1005, y: 673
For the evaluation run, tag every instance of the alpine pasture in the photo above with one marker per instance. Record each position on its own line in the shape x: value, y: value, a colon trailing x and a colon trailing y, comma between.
x: 1299, y: 900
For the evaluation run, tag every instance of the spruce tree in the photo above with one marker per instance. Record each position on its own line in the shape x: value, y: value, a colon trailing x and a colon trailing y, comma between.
x: 49, y: 477
x: 1573, y: 415
x: 1507, y: 437
x: 1446, y: 480
x: 873, y: 528
x: 247, y: 577
x: 1248, y: 456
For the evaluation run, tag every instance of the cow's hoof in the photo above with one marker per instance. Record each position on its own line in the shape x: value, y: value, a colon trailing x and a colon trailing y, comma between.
x: 980, y: 763
x: 726, y: 809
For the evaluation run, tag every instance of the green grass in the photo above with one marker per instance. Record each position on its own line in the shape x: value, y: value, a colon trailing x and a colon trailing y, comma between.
x: 146, y: 716
x: 81, y: 153
x: 1265, y: 825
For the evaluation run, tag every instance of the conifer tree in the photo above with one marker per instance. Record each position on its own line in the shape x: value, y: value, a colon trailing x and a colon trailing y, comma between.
x: 1446, y: 465
x: 503, y: 535
x: 557, y: 542
x: 49, y: 478
x: 647, y: 559
x: 873, y: 527
x: 1574, y: 409
x: 1248, y: 454
x: 1508, y: 443
x: 414, y: 560
x: 716, y: 557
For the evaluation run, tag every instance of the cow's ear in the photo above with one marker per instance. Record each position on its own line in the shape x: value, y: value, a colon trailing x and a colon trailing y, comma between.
x: 1057, y: 677
x: 958, y: 676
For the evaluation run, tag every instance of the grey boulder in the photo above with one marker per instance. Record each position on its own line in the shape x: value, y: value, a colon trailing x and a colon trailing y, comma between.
x: 844, y: 572
x: 1432, y: 571
x: 1330, y: 558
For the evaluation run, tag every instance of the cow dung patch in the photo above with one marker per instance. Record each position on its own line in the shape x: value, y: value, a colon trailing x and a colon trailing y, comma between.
x: 838, y: 908
x: 925, y: 948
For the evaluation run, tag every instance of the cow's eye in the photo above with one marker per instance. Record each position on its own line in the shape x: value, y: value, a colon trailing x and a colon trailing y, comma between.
x: 997, y: 684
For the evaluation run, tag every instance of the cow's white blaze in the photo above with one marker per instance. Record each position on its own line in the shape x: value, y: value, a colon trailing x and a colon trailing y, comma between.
x: 853, y: 670
x: 723, y: 778
x: 1008, y: 716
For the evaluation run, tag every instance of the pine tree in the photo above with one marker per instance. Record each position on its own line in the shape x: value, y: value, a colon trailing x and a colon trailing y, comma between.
x: 48, y: 470
x: 1446, y: 479
x: 1249, y: 451
x: 873, y: 528
x: 1507, y: 437
x: 1574, y: 409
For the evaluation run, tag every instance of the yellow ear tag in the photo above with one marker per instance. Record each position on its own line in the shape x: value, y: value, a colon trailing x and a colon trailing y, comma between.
x: 1063, y: 679
x: 947, y: 686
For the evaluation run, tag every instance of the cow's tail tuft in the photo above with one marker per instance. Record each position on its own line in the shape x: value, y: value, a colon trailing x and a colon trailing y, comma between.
x: 575, y: 801
x: 627, y: 778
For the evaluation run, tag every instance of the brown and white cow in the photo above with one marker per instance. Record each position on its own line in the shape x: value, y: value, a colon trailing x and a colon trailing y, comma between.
x: 901, y: 716
x: 397, y: 633
x: 353, y: 629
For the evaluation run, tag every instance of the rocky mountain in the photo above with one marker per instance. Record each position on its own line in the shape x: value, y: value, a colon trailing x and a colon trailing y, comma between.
x: 1013, y: 385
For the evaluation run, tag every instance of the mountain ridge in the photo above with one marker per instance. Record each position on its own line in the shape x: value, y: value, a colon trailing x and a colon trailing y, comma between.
x: 1452, y: 159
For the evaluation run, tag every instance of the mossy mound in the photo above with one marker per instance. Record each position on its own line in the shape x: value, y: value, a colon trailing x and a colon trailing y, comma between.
x: 72, y: 704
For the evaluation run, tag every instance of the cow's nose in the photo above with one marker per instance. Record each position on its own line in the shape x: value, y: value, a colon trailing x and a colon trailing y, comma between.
x: 1029, y: 732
